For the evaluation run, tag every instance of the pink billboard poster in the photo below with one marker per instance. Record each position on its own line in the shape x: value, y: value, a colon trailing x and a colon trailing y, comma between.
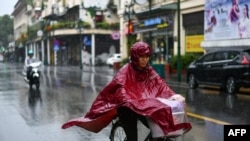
x: 226, y: 19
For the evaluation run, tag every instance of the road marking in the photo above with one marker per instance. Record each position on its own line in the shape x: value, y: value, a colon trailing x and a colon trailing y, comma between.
x: 207, y: 119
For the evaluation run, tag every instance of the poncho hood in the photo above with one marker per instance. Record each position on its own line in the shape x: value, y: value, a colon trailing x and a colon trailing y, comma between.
x: 139, y: 49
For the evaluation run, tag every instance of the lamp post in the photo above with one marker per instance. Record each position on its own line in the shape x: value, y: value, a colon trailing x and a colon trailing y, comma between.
x: 150, y: 34
x: 142, y: 2
x: 178, y: 46
x: 129, y: 16
x: 79, y: 24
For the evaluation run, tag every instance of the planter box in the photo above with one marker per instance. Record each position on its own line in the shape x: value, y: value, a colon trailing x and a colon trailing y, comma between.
x: 160, y: 69
x: 174, y: 71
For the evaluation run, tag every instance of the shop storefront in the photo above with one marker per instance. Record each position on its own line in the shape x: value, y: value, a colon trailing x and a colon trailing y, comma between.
x: 157, y: 30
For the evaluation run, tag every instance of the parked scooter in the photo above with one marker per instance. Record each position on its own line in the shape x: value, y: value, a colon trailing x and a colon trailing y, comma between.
x: 34, y: 76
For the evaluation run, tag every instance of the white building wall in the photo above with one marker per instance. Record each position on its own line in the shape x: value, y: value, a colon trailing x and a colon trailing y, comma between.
x: 20, y: 23
x: 187, y: 7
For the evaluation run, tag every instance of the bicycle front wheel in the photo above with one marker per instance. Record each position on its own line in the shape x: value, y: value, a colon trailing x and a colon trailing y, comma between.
x: 117, y: 132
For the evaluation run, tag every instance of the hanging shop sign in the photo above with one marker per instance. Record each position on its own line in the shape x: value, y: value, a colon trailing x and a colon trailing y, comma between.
x: 56, y: 44
x: 154, y: 23
x: 86, y: 41
x: 115, y: 36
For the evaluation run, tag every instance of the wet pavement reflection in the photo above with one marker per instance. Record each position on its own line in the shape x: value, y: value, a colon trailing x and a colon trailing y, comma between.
x: 67, y: 92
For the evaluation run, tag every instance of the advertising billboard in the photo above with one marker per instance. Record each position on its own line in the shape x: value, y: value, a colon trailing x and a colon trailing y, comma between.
x: 193, y: 43
x: 226, y: 19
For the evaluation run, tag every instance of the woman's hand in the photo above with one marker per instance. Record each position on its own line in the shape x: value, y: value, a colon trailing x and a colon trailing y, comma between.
x: 177, y: 97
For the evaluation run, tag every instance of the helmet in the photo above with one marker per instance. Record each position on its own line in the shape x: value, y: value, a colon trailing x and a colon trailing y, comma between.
x: 30, y: 52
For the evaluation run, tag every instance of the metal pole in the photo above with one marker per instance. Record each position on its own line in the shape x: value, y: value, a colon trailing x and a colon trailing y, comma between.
x: 128, y: 34
x: 80, y: 30
x: 128, y: 11
x: 150, y: 11
x: 150, y: 34
x: 178, y: 47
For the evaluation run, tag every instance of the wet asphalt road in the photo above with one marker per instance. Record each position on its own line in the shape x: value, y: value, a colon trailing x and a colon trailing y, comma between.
x: 67, y: 92
x: 38, y: 115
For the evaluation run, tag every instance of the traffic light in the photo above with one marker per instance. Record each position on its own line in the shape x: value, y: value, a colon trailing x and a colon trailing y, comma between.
x: 130, y: 27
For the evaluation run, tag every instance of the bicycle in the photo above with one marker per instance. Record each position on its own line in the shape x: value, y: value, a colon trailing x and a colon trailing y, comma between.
x: 117, y: 133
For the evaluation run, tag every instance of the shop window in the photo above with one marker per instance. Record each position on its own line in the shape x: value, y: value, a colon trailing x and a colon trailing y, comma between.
x: 159, y: 51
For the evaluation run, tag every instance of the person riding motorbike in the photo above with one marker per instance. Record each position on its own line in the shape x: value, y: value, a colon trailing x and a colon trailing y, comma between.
x: 132, y: 95
x: 28, y: 60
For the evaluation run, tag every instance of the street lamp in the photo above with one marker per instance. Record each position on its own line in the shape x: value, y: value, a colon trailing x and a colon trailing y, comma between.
x: 179, y: 44
x: 129, y: 15
x: 142, y: 2
x: 80, y: 25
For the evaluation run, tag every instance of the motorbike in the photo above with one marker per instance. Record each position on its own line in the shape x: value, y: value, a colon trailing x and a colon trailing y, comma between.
x: 34, y: 76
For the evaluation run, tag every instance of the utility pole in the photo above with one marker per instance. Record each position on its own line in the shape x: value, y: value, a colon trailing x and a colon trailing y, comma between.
x: 179, y: 44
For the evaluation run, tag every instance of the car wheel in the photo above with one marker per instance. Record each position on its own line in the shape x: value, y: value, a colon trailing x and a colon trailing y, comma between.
x: 231, y: 86
x: 192, y: 83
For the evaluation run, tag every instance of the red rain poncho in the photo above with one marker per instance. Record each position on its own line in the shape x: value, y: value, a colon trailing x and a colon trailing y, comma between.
x: 136, y: 89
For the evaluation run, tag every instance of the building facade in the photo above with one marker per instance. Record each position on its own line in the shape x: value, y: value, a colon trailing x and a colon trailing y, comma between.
x: 60, y: 30
x: 156, y: 22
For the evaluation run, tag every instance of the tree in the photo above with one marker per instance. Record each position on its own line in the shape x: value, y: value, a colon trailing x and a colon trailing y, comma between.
x: 6, y: 28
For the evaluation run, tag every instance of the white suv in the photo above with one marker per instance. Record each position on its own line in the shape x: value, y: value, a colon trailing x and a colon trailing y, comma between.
x: 113, y: 58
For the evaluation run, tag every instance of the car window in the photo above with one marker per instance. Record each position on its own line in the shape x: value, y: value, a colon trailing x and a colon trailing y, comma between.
x: 207, y: 58
x: 219, y: 56
x: 232, y: 54
x: 247, y: 52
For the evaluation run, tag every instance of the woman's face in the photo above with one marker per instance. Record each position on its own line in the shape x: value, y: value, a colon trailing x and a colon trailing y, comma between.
x: 143, y: 61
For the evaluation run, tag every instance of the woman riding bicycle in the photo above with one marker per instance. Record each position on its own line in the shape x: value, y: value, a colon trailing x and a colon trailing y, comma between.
x: 131, y: 96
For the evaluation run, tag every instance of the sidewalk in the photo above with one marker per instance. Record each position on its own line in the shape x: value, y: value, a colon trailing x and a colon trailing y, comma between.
x: 169, y: 78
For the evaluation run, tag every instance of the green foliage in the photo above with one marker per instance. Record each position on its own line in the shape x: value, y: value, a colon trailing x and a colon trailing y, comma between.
x: 130, y: 42
x: 32, y: 31
x: 6, y: 28
x: 103, y: 25
x: 185, y: 60
x: 30, y: 2
x: 115, y: 26
x: 124, y: 61
x: 106, y: 25
x: 68, y: 25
